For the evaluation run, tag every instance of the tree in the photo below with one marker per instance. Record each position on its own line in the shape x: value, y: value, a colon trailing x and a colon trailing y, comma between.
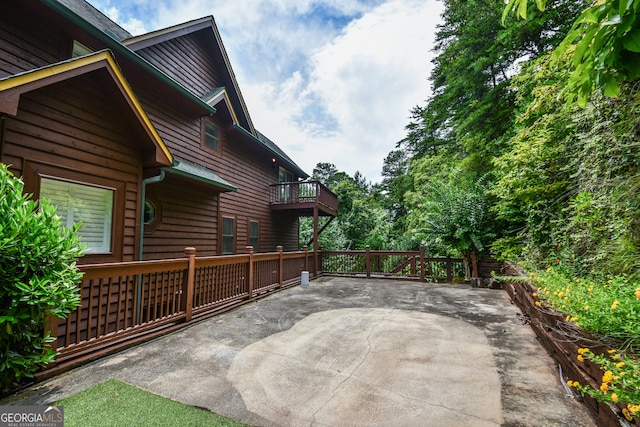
x: 606, y: 37
x: 451, y: 217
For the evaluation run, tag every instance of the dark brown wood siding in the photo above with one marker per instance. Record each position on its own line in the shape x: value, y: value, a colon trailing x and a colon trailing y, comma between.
x: 76, y: 130
x: 27, y: 41
x: 187, y: 60
x: 187, y: 217
x: 240, y: 162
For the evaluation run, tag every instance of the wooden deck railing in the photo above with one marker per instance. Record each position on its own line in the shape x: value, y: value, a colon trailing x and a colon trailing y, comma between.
x: 392, y: 264
x: 303, y: 193
x: 125, y: 303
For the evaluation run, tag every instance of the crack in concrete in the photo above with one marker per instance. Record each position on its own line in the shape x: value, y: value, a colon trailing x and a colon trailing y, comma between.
x: 334, y: 392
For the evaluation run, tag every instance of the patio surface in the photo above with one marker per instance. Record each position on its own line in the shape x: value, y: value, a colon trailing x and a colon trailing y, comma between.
x: 349, y: 352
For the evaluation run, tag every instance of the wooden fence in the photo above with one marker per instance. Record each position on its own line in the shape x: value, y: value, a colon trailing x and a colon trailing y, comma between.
x: 393, y: 265
x: 126, y: 303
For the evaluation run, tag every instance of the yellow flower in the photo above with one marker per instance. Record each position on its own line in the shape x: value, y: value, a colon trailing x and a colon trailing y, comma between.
x: 590, y: 288
x: 560, y: 294
x: 614, y: 398
x: 583, y: 350
x: 604, y: 387
x: 538, y: 303
x: 615, y: 304
x: 535, y: 294
x: 586, y: 307
x: 611, y: 351
x: 626, y: 414
x: 619, y: 364
x: 607, y: 377
x: 637, y: 293
x: 634, y: 409
x: 580, y: 358
x: 567, y: 318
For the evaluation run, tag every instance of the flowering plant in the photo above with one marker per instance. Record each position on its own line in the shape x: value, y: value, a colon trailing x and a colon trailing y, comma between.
x: 620, y: 381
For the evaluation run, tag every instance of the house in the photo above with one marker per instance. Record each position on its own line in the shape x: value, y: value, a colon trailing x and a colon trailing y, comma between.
x: 147, y: 139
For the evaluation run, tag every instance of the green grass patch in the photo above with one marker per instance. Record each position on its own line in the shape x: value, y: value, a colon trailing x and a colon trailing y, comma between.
x: 114, y: 403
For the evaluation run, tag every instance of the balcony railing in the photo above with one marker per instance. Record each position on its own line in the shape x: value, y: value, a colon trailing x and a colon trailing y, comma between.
x: 303, y: 195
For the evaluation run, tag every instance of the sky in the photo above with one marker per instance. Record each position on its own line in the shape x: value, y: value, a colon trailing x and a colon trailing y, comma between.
x: 330, y: 81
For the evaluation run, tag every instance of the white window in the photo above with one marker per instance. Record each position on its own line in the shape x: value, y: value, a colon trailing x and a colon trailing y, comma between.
x: 93, y: 206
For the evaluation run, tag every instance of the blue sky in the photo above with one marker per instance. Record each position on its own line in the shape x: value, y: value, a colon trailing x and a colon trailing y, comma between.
x: 327, y: 80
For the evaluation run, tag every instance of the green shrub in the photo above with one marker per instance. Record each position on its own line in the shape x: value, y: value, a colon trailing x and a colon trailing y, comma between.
x: 38, y: 277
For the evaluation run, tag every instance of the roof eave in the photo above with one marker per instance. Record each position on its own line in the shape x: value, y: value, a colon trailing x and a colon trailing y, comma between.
x: 290, y: 164
x: 121, y: 49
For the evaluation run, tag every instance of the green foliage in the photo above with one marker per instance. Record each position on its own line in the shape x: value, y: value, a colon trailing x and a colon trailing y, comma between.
x: 604, y: 307
x: 38, y: 275
x: 450, y: 216
x: 362, y: 221
x: 620, y: 383
x: 606, y: 37
x: 608, y: 310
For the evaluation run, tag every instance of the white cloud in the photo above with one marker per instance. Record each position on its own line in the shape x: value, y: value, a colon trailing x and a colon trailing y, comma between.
x: 366, y: 79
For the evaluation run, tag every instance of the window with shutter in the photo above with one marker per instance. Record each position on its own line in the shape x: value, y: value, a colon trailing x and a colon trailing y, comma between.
x: 93, y: 206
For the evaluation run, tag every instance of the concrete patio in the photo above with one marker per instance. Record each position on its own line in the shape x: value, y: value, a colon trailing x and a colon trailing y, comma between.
x: 349, y: 352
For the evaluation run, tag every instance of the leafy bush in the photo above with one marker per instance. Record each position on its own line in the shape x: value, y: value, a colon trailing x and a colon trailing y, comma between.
x: 38, y: 275
x: 608, y: 310
x: 620, y: 382
x: 604, y: 307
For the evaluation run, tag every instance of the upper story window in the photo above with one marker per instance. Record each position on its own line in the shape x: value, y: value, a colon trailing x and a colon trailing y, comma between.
x: 79, y: 49
x: 93, y: 206
x: 210, y: 135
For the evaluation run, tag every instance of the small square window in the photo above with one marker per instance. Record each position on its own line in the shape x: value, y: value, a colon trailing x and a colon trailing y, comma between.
x: 211, y: 136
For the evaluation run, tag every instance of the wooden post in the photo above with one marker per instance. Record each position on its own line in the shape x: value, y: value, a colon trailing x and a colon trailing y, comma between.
x: 250, y: 252
x: 367, y: 262
x: 280, y: 265
x: 305, y: 248
x: 449, y: 270
x: 474, y: 265
x: 422, y: 266
x: 315, y: 238
x: 188, y: 285
x: 51, y: 327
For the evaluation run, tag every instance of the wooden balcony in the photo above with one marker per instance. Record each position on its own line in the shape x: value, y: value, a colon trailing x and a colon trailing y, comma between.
x: 303, y: 198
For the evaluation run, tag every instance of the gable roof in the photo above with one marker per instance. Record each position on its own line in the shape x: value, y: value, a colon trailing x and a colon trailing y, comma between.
x: 207, y: 25
x: 105, y: 35
x: 12, y: 87
x: 108, y: 32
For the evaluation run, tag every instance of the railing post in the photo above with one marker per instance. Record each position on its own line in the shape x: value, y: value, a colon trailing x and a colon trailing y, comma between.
x: 187, y: 301
x: 449, y: 270
x: 367, y: 262
x: 280, y: 265
x: 51, y: 327
x: 305, y: 248
x: 250, y: 252
x: 422, y: 276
